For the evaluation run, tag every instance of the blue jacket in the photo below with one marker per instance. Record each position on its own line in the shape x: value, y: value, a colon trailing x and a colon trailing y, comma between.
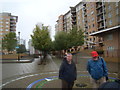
x: 97, y: 69
x: 67, y: 71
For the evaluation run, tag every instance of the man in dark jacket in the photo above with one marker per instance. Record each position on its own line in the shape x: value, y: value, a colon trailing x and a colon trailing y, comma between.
x: 97, y: 69
x: 67, y: 72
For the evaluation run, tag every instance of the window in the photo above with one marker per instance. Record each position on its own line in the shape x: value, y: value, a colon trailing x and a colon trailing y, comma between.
x: 1, y: 29
x: 88, y: 20
x: 109, y: 15
x: 92, y: 12
x: 1, y: 18
x: 7, y: 26
x: 93, y: 25
x: 93, y: 39
x: 7, y: 22
x: 88, y: 14
x: 109, y: 37
x: 117, y: 11
x: 7, y: 29
x: 7, y: 18
x: 93, y: 31
x: 110, y: 48
x: 110, y: 22
x: 116, y: 4
x: 93, y: 19
x: 89, y: 27
x: 90, y: 39
x: 109, y: 7
x: 1, y: 25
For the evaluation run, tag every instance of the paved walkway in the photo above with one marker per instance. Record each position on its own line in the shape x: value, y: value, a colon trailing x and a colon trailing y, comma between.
x: 32, y: 75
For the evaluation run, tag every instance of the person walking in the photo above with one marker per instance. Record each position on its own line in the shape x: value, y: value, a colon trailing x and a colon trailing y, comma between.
x: 97, y: 69
x: 67, y: 72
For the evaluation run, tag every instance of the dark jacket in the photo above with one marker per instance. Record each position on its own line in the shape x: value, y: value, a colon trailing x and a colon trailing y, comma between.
x: 97, y: 69
x: 67, y: 71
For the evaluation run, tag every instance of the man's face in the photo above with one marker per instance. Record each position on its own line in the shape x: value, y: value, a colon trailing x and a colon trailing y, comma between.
x: 69, y: 57
x: 95, y: 58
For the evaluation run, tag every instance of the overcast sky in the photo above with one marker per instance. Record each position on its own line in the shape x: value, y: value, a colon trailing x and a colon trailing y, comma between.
x: 30, y: 12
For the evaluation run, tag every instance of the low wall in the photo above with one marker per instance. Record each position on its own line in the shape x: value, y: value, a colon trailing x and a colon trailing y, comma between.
x: 12, y: 56
x: 112, y: 59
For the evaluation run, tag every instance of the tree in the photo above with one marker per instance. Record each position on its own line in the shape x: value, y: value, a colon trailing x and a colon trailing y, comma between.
x: 76, y: 37
x: 21, y: 49
x: 64, y: 40
x: 41, y: 39
x: 61, y: 41
x: 9, y: 41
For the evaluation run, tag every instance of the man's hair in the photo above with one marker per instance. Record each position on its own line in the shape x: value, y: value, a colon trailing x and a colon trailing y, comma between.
x: 69, y: 54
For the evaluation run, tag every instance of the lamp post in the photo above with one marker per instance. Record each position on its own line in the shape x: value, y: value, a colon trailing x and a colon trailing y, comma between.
x: 18, y: 44
x: 19, y: 37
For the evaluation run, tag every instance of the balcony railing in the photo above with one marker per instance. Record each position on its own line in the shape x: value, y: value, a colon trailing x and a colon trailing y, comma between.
x: 100, y: 20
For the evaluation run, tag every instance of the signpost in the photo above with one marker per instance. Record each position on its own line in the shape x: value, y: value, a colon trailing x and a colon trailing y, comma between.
x: 18, y: 52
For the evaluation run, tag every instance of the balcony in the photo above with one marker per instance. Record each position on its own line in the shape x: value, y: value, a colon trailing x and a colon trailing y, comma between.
x: 12, y: 21
x: 100, y: 13
x: 86, y: 26
x: 84, y: 4
x: 73, y: 12
x: 12, y: 29
x: 85, y: 14
x: 100, y: 20
x: 84, y: 8
x: 101, y: 27
x: 73, y: 16
x: 12, y: 24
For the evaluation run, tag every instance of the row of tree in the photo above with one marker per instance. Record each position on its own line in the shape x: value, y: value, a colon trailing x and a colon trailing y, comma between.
x: 9, y: 43
x: 41, y: 39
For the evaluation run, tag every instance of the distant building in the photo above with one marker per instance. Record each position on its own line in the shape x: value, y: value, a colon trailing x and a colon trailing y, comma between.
x: 30, y: 47
x: 67, y: 22
x: 7, y: 24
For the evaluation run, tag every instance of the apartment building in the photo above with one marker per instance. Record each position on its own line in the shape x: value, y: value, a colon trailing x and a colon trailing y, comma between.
x: 110, y: 31
x: 59, y: 26
x: 73, y: 16
x: 90, y: 23
x: 80, y: 16
x: 112, y: 15
x: 67, y: 21
x: 7, y: 24
x: 93, y: 17
x: 56, y: 27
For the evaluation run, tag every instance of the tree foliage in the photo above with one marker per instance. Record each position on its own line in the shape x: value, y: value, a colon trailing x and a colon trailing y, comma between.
x: 9, y: 41
x: 61, y: 41
x: 76, y: 37
x: 64, y: 40
x: 21, y: 49
x: 41, y: 39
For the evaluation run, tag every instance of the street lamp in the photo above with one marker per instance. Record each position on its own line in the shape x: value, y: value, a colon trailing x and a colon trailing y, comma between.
x: 18, y: 44
x: 19, y: 37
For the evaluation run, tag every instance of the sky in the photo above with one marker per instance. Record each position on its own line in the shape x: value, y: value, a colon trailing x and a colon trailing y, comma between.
x: 31, y: 12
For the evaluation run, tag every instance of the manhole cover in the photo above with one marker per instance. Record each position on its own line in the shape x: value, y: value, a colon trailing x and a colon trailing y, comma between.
x: 81, y: 85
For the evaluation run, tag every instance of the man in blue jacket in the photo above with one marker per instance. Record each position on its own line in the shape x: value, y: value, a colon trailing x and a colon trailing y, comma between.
x: 97, y: 69
x: 67, y: 72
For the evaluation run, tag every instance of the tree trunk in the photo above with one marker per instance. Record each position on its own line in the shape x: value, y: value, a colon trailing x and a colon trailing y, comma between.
x: 43, y: 60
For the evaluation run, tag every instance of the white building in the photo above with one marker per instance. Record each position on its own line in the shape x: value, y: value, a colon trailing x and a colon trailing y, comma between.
x: 30, y: 47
